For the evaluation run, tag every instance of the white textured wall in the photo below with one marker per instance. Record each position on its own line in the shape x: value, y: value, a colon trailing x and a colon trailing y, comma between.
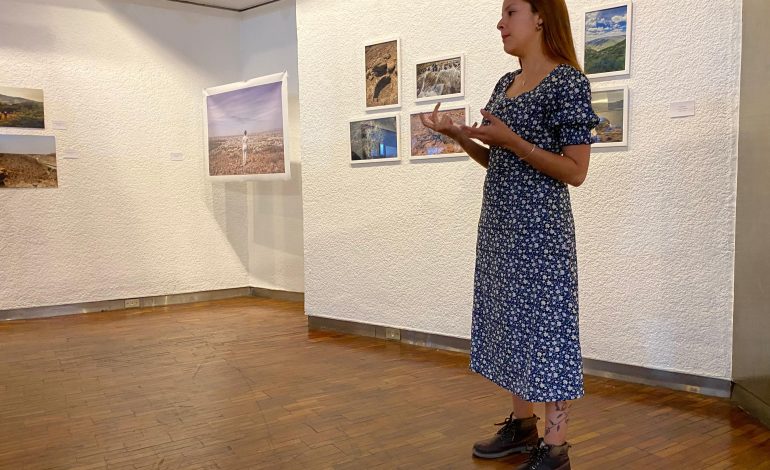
x: 268, y: 42
x: 394, y: 245
x: 125, y: 221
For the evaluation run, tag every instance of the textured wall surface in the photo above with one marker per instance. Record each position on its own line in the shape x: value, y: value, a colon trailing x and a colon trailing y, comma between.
x: 126, y: 221
x: 269, y: 45
x: 394, y: 244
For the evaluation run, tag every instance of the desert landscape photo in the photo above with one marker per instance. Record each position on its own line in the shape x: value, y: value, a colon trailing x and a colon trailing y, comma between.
x: 245, y: 131
x: 427, y: 143
x: 28, y: 162
x: 439, y: 78
x: 382, y: 74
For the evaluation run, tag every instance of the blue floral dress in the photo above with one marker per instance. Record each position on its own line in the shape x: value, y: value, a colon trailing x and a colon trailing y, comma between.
x: 524, y: 335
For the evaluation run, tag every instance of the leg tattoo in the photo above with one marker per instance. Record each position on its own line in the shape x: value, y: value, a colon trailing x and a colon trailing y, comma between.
x: 561, y: 418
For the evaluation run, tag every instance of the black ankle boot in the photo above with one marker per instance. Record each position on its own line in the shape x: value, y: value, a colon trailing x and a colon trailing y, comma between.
x: 515, y: 436
x: 547, y: 457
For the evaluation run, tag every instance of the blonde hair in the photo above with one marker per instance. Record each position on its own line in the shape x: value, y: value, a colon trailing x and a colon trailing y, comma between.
x: 557, y: 31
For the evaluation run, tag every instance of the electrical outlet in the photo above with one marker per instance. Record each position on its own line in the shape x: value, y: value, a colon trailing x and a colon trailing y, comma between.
x: 133, y: 303
x: 393, y: 334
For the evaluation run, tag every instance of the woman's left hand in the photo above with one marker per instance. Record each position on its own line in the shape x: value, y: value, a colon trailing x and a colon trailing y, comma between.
x: 496, y: 133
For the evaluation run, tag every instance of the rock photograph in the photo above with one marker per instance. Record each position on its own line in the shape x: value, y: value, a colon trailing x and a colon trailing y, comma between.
x: 382, y: 74
x: 428, y: 143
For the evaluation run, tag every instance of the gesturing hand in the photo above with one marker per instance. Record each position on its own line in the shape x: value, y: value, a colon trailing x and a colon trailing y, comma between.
x: 442, y: 125
x: 496, y: 133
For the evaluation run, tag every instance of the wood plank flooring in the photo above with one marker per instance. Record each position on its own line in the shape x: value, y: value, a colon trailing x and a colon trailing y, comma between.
x: 242, y: 384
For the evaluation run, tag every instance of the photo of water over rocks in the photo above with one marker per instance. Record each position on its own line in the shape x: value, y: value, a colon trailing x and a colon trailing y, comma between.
x: 440, y: 78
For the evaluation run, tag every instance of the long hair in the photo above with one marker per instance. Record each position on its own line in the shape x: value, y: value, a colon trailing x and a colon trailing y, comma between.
x: 557, y: 31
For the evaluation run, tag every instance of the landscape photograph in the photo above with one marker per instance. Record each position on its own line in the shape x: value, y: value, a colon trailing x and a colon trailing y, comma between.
x: 28, y: 161
x: 610, y: 106
x: 21, y: 107
x: 374, y: 139
x: 426, y: 143
x: 441, y: 78
x: 606, y: 41
x: 245, y: 131
x: 382, y: 68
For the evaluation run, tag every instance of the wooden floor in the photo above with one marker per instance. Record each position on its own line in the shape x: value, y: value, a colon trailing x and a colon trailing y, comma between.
x: 242, y: 384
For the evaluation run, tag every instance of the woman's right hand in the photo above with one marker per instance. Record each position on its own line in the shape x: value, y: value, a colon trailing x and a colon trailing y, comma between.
x: 440, y: 124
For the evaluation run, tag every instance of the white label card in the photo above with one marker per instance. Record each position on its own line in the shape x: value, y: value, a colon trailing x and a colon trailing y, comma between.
x: 682, y: 109
x: 59, y: 125
x: 177, y: 156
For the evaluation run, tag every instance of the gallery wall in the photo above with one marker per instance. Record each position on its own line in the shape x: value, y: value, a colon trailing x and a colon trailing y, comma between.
x: 125, y: 80
x: 268, y: 41
x: 393, y: 244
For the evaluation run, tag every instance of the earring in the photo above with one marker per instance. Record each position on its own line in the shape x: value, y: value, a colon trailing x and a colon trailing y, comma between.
x: 539, y: 26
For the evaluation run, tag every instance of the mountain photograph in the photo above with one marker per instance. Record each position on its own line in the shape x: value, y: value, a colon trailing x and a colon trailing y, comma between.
x: 606, y: 40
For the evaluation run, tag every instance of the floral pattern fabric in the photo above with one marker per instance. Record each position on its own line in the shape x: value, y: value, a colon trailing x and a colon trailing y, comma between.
x: 525, y: 333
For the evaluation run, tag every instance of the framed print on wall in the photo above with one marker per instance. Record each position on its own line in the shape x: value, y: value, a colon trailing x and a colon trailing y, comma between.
x: 246, y: 129
x: 382, y: 63
x: 22, y: 107
x: 607, y: 40
x: 425, y: 144
x: 374, y: 139
x: 440, y: 78
x: 28, y: 161
x: 611, y: 105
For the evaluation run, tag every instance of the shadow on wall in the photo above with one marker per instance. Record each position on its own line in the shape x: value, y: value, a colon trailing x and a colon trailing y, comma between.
x: 277, y: 256
x: 230, y: 209
x: 151, y: 19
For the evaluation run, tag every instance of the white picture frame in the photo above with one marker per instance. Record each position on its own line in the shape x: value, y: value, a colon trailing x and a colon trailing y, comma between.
x: 419, y: 131
x: 605, y: 28
x: 605, y: 102
x: 259, y: 106
x: 379, y: 74
x: 426, y: 92
x: 370, y: 138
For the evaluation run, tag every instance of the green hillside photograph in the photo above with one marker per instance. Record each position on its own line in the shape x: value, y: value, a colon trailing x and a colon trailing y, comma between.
x: 21, y: 107
x: 606, y: 41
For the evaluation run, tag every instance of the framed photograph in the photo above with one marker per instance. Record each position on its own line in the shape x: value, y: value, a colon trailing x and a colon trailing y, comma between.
x: 375, y: 139
x: 611, y: 104
x: 426, y: 143
x: 28, y: 161
x: 246, y: 129
x: 21, y: 107
x: 382, y: 63
x: 440, y: 78
x: 607, y: 40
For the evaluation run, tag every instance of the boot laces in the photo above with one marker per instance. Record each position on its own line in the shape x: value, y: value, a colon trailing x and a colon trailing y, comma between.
x: 536, y: 455
x: 507, y: 426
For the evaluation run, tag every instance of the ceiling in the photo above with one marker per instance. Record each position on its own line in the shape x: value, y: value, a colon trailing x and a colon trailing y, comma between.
x: 233, y: 5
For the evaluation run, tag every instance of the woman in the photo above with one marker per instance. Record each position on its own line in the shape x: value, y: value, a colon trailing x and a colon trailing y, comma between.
x: 537, y: 125
x: 245, y: 147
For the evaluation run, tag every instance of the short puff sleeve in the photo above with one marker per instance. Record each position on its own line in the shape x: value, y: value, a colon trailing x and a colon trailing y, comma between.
x: 573, y: 117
